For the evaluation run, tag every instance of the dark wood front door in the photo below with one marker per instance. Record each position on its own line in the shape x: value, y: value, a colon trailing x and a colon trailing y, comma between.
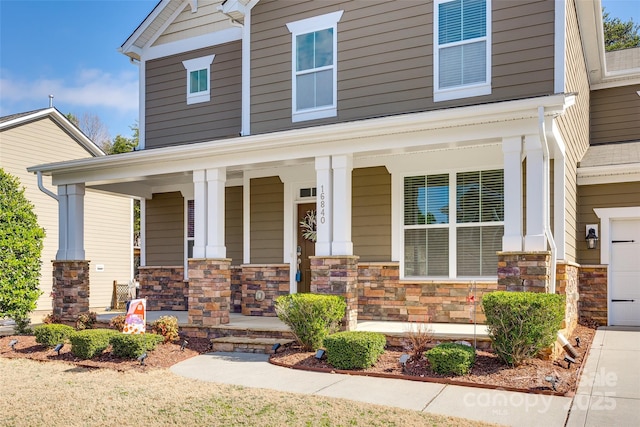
x: 305, y: 249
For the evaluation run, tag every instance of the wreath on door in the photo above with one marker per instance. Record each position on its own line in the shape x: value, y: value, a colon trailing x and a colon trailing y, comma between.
x: 308, y: 226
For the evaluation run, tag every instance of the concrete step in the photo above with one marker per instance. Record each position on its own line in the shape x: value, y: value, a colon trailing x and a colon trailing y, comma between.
x: 247, y: 344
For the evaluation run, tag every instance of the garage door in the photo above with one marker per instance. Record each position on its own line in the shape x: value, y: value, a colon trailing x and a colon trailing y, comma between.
x: 624, y: 297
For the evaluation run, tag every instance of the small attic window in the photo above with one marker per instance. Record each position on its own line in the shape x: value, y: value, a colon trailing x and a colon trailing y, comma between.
x: 198, y: 79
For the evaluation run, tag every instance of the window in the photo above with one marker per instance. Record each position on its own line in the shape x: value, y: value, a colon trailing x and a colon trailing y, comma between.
x: 314, y: 67
x: 198, y: 78
x: 468, y: 225
x: 462, y: 49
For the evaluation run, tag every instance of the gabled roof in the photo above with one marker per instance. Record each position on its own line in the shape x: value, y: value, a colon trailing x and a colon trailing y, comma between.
x: 21, y: 119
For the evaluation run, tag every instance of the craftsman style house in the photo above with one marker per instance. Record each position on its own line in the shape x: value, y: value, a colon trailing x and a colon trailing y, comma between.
x: 409, y: 155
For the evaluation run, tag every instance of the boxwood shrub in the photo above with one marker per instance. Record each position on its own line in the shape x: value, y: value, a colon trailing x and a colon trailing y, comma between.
x: 52, y: 334
x: 131, y: 346
x: 354, y: 349
x: 451, y: 358
x: 90, y: 342
x: 311, y: 317
x: 521, y: 324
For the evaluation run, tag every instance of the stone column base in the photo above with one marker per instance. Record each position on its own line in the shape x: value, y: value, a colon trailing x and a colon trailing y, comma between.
x: 338, y: 275
x: 524, y: 271
x: 70, y: 289
x: 209, y: 291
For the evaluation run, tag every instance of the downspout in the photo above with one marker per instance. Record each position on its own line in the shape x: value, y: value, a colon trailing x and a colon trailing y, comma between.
x: 547, y: 199
x: 42, y: 187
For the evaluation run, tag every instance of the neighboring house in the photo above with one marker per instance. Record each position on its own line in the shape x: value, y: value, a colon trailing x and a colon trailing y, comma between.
x: 47, y: 136
x: 436, y: 142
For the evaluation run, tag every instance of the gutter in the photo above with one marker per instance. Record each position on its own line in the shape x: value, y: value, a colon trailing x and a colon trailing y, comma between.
x: 547, y: 199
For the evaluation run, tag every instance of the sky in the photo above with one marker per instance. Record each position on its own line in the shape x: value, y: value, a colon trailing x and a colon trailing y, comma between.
x: 69, y: 49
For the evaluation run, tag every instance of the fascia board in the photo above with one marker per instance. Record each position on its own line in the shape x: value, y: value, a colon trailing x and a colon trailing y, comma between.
x: 130, y: 42
x: 608, y: 174
x: 370, y: 133
x: 62, y: 121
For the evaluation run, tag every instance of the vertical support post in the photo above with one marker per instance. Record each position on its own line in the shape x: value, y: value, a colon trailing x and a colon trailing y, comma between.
x: 215, y: 247
x: 342, y: 168
x: 535, y: 239
x: 324, y: 214
x: 63, y: 223
x: 512, y: 151
x: 559, y: 212
x: 200, y: 213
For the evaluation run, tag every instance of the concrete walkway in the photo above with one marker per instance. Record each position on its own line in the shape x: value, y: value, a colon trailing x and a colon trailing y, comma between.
x: 609, y: 390
x: 608, y: 394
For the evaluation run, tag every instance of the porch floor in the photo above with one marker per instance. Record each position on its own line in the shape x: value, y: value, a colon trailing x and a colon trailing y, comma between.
x: 460, y: 331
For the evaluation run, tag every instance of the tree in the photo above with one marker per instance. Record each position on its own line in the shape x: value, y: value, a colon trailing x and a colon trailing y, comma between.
x: 123, y: 144
x: 92, y: 126
x: 619, y: 34
x: 21, y: 240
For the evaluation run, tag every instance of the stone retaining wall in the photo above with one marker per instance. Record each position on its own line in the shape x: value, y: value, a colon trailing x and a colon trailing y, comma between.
x: 261, y: 285
x: 164, y: 288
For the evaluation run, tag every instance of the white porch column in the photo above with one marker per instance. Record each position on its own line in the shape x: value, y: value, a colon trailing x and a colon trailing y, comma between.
x: 324, y: 189
x: 70, y: 222
x: 215, y: 247
x: 559, y: 204
x: 535, y: 239
x: 342, y: 167
x: 200, y: 214
x: 512, y: 151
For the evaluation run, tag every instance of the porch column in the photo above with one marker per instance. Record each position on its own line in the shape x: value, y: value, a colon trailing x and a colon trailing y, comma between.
x: 215, y: 247
x: 71, y: 222
x: 342, y: 167
x: 559, y: 204
x: 200, y: 213
x: 512, y: 152
x: 324, y: 185
x: 535, y: 239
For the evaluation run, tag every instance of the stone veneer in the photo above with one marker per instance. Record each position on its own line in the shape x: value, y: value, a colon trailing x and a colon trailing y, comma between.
x: 70, y: 289
x: 271, y: 280
x: 236, y: 289
x: 567, y: 284
x: 209, y: 291
x: 524, y: 271
x: 337, y: 275
x: 592, y: 286
x: 383, y: 296
x: 164, y: 288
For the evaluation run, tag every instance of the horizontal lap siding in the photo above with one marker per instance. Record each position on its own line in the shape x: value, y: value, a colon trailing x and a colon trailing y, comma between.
x: 371, y: 214
x: 233, y: 224
x: 267, y: 220
x: 619, y: 195
x: 164, y: 241
x: 385, y: 58
x: 615, y: 114
x: 170, y: 121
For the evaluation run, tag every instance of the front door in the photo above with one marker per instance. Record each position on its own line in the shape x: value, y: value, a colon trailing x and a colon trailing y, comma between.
x: 306, y: 245
x: 624, y: 300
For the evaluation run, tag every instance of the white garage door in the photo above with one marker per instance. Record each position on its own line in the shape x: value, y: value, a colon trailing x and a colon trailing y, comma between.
x: 624, y: 297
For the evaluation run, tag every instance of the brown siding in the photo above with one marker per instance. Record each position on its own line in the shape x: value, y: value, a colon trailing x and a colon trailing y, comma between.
x: 385, y: 52
x: 233, y: 224
x: 170, y: 121
x: 619, y: 195
x: 165, y: 229
x: 267, y: 220
x: 614, y: 114
x: 574, y: 126
x: 371, y: 215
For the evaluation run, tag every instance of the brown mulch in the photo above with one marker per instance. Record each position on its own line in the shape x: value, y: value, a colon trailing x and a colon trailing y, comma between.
x: 488, y: 370
x: 163, y: 356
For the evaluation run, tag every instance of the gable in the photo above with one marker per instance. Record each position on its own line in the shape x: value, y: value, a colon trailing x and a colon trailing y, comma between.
x: 207, y: 19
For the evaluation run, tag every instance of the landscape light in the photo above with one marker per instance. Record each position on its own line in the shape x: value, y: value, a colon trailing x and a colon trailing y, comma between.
x: 141, y: 358
x: 578, y: 342
x: 553, y: 380
x: 58, y: 348
x: 275, y: 347
x: 184, y: 344
x: 319, y: 354
x: 12, y: 344
x: 569, y: 361
x: 404, y: 358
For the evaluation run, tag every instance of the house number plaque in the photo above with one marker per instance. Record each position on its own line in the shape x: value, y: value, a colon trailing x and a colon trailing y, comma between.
x: 323, y: 203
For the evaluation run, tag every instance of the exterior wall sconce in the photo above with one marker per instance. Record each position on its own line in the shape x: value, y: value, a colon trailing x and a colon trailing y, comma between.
x: 592, y: 236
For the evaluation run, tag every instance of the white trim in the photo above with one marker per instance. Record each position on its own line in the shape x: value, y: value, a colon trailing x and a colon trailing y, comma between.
x: 206, y: 40
x: 559, y: 205
x: 559, y: 45
x: 612, y: 174
x: 143, y: 232
x: 128, y: 45
x: 194, y: 65
x: 246, y: 74
x: 186, y: 236
x: 305, y: 26
x: 512, y: 152
x: 160, y: 31
x: 246, y: 219
x: 463, y: 91
x: 142, y: 104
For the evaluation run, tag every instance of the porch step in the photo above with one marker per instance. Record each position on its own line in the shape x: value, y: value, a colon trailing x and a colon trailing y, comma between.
x: 247, y: 344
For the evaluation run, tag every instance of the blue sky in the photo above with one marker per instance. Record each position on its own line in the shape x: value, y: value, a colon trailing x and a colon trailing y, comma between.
x: 69, y: 49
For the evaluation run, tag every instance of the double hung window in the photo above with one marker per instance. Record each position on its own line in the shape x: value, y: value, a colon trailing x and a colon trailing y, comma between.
x: 314, y: 67
x: 453, y: 224
x: 462, y: 53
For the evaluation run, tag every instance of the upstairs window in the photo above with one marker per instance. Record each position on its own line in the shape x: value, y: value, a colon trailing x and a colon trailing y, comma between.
x: 314, y: 67
x: 462, y: 53
x: 198, y: 79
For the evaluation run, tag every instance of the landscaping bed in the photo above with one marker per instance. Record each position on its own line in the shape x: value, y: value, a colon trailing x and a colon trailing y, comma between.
x: 487, y: 371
